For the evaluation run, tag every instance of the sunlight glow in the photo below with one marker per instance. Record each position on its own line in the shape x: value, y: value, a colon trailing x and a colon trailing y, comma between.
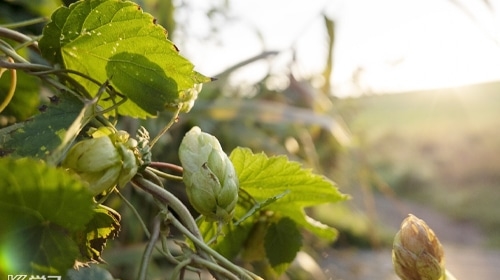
x: 392, y: 45
x: 8, y: 259
x: 431, y: 44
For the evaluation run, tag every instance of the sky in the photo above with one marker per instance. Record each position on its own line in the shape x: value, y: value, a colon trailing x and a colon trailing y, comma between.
x: 394, y: 45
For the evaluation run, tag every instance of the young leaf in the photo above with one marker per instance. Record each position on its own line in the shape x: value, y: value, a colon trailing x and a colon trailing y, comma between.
x: 282, y: 242
x: 264, y: 177
x: 41, y: 207
x: 116, y: 40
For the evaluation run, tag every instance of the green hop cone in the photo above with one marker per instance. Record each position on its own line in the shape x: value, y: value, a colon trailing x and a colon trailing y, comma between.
x: 105, y: 160
x: 210, y: 179
x: 417, y: 253
x: 186, y: 99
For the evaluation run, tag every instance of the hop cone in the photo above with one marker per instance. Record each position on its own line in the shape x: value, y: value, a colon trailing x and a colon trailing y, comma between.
x: 417, y: 253
x: 209, y: 176
x: 105, y: 160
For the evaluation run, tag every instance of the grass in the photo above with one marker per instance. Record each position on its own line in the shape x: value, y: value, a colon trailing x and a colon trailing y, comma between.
x: 439, y: 146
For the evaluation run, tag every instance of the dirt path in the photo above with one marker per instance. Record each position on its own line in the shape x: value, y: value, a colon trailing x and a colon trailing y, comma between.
x: 464, y: 245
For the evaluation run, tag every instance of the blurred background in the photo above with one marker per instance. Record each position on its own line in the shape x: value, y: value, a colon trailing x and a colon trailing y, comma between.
x: 398, y: 102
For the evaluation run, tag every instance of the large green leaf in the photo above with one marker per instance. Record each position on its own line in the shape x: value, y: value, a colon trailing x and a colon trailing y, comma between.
x: 264, y: 177
x: 116, y: 40
x: 41, y: 207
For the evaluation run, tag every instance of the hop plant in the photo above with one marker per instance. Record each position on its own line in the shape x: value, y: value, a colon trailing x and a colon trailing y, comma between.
x: 186, y: 99
x: 209, y: 176
x: 417, y: 253
x: 107, y: 159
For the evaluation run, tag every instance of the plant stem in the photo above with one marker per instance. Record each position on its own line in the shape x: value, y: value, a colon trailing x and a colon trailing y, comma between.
x: 172, y: 201
x: 164, y: 250
x: 167, y: 127
x: 136, y: 214
x: 146, y: 257
x: 19, y: 37
x: 214, y: 266
x: 24, y: 23
x: 150, y: 175
x: 9, y: 51
x: 164, y: 175
x: 202, y: 245
x: 188, y: 224
x: 166, y: 165
x: 176, y: 273
x: 12, y: 88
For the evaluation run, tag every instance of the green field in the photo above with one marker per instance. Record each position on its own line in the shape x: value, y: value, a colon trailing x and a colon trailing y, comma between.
x: 439, y: 147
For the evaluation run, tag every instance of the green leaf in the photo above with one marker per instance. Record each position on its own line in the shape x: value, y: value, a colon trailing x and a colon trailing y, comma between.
x: 115, y: 39
x: 230, y: 240
x: 104, y: 225
x: 93, y: 272
x: 265, y: 177
x: 282, y: 242
x: 234, y: 234
x: 41, y: 207
x: 257, y: 206
x: 253, y: 249
x: 50, y: 133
